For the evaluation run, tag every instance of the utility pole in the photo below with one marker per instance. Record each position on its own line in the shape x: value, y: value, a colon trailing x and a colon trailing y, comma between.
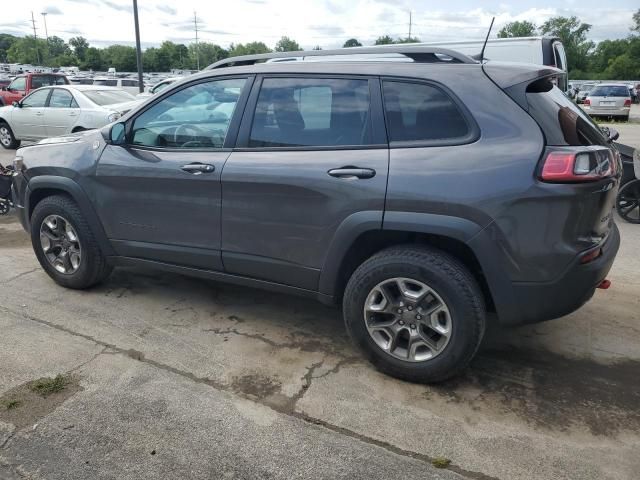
x: 35, y: 36
x: 410, y: 24
x: 46, y: 31
x: 195, y: 23
x: 138, y: 49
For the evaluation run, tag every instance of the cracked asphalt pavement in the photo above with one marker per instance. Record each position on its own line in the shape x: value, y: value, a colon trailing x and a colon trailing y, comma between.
x: 177, y: 377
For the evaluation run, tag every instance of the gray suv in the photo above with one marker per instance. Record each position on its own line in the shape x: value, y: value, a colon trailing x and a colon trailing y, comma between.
x: 419, y: 188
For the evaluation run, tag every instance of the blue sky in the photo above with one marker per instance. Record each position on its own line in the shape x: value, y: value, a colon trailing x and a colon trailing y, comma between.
x: 311, y: 22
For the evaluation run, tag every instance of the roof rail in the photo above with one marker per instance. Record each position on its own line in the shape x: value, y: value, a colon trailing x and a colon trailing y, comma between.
x: 417, y: 53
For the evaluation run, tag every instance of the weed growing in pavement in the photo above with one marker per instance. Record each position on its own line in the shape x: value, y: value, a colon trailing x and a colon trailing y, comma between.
x: 47, y: 386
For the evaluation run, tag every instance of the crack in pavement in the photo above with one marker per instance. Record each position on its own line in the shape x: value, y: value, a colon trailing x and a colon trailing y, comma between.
x: 285, y: 410
x: 15, y: 277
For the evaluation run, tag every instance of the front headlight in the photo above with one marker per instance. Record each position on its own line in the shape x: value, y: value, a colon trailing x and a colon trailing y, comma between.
x: 113, y: 117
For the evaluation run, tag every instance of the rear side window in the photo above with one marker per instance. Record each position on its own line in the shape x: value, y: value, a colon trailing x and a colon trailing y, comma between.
x: 301, y: 112
x: 562, y: 121
x: 417, y: 112
x: 610, y: 91
x: 60, y: 99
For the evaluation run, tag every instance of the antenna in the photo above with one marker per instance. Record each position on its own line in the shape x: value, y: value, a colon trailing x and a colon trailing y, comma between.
x: 486, y: 40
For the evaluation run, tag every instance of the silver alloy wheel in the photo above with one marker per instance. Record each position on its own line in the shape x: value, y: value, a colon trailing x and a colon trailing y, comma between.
x: 5, y: 136
x: 407, y: 319
x: 60, y: 244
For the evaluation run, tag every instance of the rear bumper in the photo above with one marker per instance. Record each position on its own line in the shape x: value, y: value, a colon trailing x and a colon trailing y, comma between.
x: 537, y: 302
x: 607, y: 112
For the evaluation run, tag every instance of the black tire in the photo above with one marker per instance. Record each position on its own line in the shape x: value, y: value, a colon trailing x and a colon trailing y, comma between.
x: 93, y: 267
x: 628, y: 202
x: 12, y: 142
x: 445, y: 275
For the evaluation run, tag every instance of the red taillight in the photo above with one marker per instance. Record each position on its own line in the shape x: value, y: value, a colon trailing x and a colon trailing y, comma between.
x: 591, y: 255
x: 627, y: 102
x: 581, y: 166
x: 587, y: 102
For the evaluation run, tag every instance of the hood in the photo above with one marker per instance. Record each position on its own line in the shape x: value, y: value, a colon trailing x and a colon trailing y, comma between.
x: 123, y: 108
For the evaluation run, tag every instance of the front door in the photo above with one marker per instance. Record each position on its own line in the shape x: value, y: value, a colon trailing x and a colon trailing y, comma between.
x: 159, y: 195
x: 311, y: 155
x: 27, y: 121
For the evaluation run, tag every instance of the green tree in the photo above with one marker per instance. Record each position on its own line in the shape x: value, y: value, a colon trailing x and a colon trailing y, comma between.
x: 27, y: 50
x: 121, y: 57
x: 636, y: 22
x: 93, y: 60
x: 352, y: 42
x: 57, y: 47
x: 317, y: 47
x: 285, y: 44
x: 79, y: 45
x: 384, y: 40
x: 408, y: 40
x: 209, y: 53
x: 251, y: 48
x: 623, y: 67
x: 605, y: 52
x: 6, y: 41
x: 573, y: 34
x: 517, y: 29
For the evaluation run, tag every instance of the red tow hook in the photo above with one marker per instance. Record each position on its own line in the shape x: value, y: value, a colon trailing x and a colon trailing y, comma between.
x: 605, y: 284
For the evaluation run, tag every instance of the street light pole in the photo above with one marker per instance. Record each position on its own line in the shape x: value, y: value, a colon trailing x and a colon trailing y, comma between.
x: 138, y: 50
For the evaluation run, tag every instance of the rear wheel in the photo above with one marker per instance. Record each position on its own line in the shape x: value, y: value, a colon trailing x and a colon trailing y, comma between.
x: 628, y: 202
x: 7, y: 138
x: 416, y: 313
x: 65, y: 245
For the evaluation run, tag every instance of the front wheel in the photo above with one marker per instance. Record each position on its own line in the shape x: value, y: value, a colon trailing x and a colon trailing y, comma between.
x: 628, y: 201
x: 65, y: 245
x: 7, y: 138
x: 415, y: 312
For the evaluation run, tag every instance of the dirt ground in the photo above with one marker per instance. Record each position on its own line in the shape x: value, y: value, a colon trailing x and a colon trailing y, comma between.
x: 184, y: 378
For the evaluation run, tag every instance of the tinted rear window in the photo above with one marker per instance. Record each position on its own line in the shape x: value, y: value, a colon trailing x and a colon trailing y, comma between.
x: 562, y: 122
x: 610, y: 91
x: 422, y: 113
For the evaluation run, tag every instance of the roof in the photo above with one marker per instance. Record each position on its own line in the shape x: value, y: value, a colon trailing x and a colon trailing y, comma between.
x: 415, y: 52
x: 84, y: 88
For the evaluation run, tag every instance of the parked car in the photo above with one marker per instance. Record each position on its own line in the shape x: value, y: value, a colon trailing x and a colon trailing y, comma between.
x: 158, y: 87
x: 129, y: 85
x: 583, y: 92
x: 60, y: 110
x: 419, y: 195
x: 22, y: 85
x: 609, y: 100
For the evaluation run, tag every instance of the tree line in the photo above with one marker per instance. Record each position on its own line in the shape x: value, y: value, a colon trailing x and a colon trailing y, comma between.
x: 607, y: 60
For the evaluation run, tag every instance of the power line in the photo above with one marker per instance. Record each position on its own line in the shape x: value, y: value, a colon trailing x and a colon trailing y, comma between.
x: 410, y: 22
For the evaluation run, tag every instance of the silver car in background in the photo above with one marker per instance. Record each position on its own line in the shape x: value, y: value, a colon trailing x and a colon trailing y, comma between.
x: 609, y: 100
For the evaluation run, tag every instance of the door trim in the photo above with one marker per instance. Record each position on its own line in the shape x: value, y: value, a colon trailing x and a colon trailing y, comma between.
x: 171, y: 254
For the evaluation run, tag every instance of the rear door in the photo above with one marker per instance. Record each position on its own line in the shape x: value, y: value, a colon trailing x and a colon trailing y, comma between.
x: 311, y: 156
x: 61, y: 114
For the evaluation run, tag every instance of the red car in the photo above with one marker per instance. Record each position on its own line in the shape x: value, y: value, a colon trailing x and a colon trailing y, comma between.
x: 23, y: 84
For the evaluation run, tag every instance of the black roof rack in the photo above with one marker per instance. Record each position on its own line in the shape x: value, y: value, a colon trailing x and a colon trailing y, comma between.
x: 417, y: 53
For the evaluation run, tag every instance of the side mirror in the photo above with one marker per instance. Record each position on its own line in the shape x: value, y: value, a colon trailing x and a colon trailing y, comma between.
x: 117, y: 134
x: 16, y: 104
x: 612, y: 134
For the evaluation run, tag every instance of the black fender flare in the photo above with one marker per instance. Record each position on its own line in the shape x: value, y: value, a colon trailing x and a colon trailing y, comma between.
x: 81, y: 198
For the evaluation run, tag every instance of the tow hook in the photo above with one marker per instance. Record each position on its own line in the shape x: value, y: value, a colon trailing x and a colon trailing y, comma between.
x: 604, y: 285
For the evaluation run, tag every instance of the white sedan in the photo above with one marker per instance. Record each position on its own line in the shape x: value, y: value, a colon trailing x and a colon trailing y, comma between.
x: 51, y: 111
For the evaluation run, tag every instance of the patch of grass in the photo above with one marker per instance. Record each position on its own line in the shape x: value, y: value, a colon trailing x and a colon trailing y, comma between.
x: 440, y: 462
x: 11, y: 404
x: 47, y: 386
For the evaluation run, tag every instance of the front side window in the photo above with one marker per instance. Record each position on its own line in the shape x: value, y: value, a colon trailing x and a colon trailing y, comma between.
x: 61, y: 99
x: 37, y: 99
x: 301, y: 112
x: 194, y: 117
x: 417, y: 112
x: 19, y: 84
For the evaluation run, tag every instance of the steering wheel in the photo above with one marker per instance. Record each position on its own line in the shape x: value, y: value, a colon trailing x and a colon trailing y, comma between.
x: 205, y: 138
x: 188, y: 131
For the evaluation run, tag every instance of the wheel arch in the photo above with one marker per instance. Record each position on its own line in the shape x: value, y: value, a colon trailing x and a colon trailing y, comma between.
x: 48, y: 185
x: 356, y: 241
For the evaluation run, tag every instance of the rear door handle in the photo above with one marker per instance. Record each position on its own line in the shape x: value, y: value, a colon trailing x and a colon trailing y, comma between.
x: 198, y: 168
x: 352, y: 172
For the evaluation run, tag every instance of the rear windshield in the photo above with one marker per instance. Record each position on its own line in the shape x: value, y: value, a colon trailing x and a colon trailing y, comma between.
x: 108, y: 97
x: 38, y: 81
x: 562, y: 122
x: 610, y: 91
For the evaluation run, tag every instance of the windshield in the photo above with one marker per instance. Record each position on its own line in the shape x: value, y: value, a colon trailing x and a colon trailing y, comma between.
x: 610, y: 91
x: 108, y: 97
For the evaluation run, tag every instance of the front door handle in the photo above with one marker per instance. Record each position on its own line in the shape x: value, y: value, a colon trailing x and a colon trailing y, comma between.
x: 352, y: 172
x: 198, y: 168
